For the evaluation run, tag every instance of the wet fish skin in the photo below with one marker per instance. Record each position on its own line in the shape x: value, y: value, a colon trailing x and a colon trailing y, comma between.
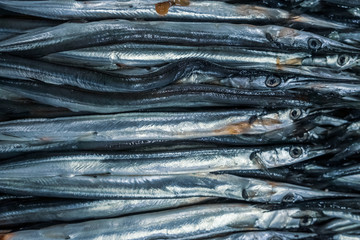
x: 166, y: 186
x: 69, y: 36
x: 199, y: 219
x: 108, y: 59
x: 15, y: 212
x: 208, y: 11
x: 174, y: 96
x: 29, y: 69
x: 150, y: 125
x: 343, y: 87
x: 156, y: 163
x: 142, y: 55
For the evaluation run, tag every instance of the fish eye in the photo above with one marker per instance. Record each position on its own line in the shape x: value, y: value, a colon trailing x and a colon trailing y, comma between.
x: 295, y: 114
x: 343, y: 59
x: 306, y: 221
x: 314, y: 44
x: 288, y: 198
x: 295, y: 152
x: 272, y: 81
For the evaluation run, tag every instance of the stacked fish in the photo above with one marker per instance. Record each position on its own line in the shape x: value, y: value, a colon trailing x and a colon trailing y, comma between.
x: 178, y: 119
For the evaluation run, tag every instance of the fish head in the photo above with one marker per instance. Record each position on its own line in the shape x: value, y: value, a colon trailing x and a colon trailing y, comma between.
x: 306, y: 217
x: 294, y: 114
x: 288, y: 218
x: 287, y: 155
x: 289, y: 193
x: 336, y: 62
x: 270, y: 81
x: 317, y: 43
x: 289, y: 38
x: 344, y: 61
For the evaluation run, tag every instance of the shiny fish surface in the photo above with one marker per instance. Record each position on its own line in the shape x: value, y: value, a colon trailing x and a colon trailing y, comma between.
x: 145, y: 55
x: 199, y: 222
x: 26, y: 69
x: 184, y: 10
x: 166, y: 186
x: 69, y: 36
x: 149, y: 125
x: 173, y: 96
x: 157, y: 163
x: 21, y: 211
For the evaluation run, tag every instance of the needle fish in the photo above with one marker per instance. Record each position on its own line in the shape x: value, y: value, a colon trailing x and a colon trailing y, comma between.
x: 345, y: 88
x: 32, y: 210
x: 69, y: 36
x: 157, y: 163
x: 130, y: 55
x: 163, y: 186
x: 184, y: 10
x: 173, y: 96
x: 150, y: 125
x: 183, y: 223
x: 27, y: 69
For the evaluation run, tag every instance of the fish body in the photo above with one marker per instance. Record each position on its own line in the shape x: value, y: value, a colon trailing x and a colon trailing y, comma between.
x: 69, y: 36
x: 183, y: 223
x: 19, y: 211
x: 157, y: 163
x: 150, y: 125
x: 165, y: 186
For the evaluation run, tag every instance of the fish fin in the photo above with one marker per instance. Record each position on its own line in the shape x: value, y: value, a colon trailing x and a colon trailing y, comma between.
x: 254, y: 157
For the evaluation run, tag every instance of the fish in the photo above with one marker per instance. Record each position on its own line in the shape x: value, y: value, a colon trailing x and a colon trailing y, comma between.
x: 183, y: 223
x: 131, y: 55
x: 157, y: 162
x: 164, y: 186
x: 150, y: 125
x: 19, y: 211
x: 339, y: 62
x: 347, y: 89
x: 184, y: 10
x: 172, y: 96
x: 70, y: 36
x: 29, y: 69
x: 144, y: 55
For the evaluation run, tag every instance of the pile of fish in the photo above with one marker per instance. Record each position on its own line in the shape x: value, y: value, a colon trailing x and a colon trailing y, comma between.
x: 179, y: 119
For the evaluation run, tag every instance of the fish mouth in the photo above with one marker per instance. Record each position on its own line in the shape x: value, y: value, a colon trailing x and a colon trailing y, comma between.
x: 315, y: 151
x: 340, y: 48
